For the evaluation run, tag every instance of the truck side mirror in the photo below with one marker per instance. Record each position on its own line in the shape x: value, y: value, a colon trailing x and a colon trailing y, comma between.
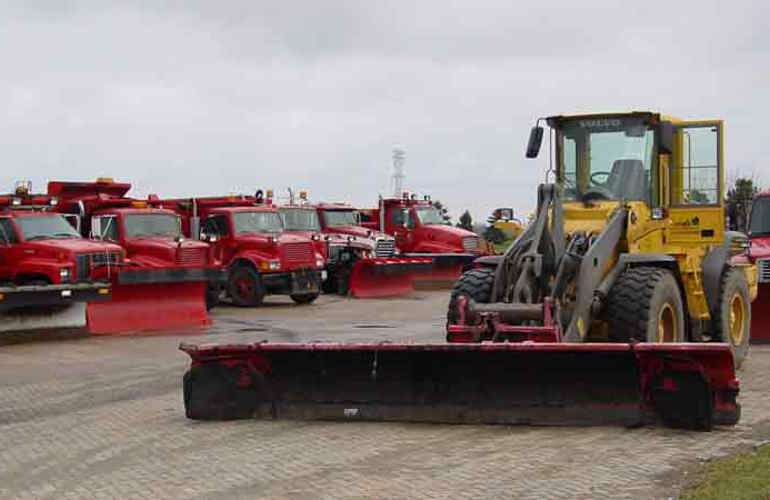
x: 535, y: 140
x: 666, y: 138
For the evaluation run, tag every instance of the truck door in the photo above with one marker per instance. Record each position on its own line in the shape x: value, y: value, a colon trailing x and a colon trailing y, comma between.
x: 215, y: 232
x: 7, y: 238
x: 402, y: 223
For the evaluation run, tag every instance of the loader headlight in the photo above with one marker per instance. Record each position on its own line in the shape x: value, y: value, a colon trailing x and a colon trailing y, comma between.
x: 658, y: 213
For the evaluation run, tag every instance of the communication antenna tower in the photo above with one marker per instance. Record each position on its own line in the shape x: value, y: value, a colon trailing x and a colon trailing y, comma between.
x: 399, y: 158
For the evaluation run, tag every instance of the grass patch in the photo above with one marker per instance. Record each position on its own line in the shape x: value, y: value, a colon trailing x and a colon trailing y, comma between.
x: 741, y: 477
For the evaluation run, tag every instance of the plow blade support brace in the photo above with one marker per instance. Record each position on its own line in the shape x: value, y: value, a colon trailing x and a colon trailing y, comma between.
x: 682, y: 385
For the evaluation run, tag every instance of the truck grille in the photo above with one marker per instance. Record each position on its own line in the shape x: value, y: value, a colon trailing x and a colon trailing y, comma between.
x: 191, y: 256
x: 385, y: 248
x: 298, y: 252
x: 470, y: 243
x: 84, y: 263
x: 763, y: 267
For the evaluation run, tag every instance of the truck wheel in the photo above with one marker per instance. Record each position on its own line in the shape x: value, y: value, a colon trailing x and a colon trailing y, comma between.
x: 732, y: 321
x: 475, y: 284
x: 303, y: 298
x: 212, y: 297
x: 245, y: 287
x: 645, y: 305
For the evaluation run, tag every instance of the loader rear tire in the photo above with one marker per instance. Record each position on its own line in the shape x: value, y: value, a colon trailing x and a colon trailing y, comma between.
x: 732, y: 321
x: 244, y: 286
x: 475, y: 284
x: 645, y: 305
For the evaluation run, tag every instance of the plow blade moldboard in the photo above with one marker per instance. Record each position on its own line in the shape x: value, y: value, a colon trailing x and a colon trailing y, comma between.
x: 683, y: 385
x: 386, y: 277
x: 446, y: 269
x: 48, y: 307
x: 149, y: 307
x: 760, y: 316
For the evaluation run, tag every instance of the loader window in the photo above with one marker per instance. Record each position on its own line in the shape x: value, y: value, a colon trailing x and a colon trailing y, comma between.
x: 606, y: 158
x: 696, y: 177
x: 152, y: 225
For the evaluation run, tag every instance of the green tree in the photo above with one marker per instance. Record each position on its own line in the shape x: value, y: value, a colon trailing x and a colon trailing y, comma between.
x: 466, y: 222
x: 739, y: 203
x: 443, y: 211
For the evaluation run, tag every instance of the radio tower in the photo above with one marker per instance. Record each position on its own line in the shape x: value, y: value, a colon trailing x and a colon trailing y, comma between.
x: 399, y: 157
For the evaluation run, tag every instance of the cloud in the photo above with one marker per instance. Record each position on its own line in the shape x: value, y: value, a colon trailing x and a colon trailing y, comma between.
x: 211, y: 97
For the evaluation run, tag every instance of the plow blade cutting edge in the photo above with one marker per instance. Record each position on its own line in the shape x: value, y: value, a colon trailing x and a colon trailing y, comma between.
x: 446, y: 268
x: 149, y: 307
x: 682, y: 385
x: 386, y: 277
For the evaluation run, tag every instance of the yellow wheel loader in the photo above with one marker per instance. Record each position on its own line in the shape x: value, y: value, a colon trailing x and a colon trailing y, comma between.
x: 618, y: 304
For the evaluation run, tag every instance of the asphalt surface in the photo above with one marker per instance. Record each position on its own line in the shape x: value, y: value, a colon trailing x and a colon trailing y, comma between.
x: 102, y: 417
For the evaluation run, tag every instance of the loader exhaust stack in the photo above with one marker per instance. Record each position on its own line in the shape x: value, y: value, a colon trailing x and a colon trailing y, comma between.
x: 682, y: 385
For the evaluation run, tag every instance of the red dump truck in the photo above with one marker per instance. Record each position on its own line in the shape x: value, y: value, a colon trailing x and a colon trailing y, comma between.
x: 48, y: 272
x: 759, y: 252
x: 419, y: 230
x: 165, y: 281
x: 247, y: 236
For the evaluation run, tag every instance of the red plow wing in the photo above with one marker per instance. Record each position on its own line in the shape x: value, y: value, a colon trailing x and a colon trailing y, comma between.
x: 386, y: 277
x: 150, y: 306
x: 682, y: 385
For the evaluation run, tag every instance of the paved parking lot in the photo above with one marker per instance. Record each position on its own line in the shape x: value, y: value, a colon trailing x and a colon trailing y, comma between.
x: 103, y: 418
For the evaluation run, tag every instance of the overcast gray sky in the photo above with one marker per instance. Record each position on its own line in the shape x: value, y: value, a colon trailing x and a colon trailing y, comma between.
x: 210, y: 97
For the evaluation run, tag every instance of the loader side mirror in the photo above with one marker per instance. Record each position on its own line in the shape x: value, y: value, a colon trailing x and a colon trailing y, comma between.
x: 666, y: 138
x: 535, y: 140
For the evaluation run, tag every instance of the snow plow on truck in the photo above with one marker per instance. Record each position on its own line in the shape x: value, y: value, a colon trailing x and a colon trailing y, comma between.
x: 164, y: 281
x: 248, y: 237
x: 360, y: 261
x: 420, y: 231
x: 619, y: 304
x: 759, y: 254
x: 47, y: 271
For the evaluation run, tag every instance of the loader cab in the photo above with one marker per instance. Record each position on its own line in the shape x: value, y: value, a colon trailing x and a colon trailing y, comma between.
x: 666, y: 169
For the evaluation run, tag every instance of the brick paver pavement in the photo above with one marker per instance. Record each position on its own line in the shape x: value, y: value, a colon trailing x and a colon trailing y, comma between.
x: 103, y: 418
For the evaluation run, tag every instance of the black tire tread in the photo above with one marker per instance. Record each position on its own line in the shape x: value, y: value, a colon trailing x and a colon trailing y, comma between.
x: 475, y: 283
x: 628, y: 302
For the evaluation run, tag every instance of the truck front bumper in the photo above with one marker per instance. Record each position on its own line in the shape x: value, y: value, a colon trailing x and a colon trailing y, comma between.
x: 140, y: 276
x: 301, y: 281
x: 18, y: 297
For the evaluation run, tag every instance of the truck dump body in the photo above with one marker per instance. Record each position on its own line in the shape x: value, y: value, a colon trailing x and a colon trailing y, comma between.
x: 682, y: 385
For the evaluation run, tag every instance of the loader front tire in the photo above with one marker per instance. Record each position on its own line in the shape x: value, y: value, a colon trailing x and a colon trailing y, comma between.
x: 476, y: 284
x: 733, y: 315
x: 245, y: 287
x: 645, y: 305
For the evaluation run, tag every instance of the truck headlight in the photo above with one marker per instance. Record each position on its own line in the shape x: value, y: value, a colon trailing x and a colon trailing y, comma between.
x: 274, y: 265
x: 319, y: 262
x: 64, y: 274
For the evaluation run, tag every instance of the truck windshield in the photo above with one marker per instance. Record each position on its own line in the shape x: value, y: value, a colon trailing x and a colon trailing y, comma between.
x: 257, y: 222
x: 429, y: 215
x: 606, y: 158
x: 760, y: 217
x: 142, y: 225
x: 300, y: 219
x: 46, y: 227
x: 337, y: 218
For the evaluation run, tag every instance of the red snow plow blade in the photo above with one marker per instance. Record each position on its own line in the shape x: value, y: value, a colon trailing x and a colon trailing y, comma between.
x: 682, y: 385
x: 760, y: 316
x: 137, y: 307
x: 445, y: 270
x: 386, y: 276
